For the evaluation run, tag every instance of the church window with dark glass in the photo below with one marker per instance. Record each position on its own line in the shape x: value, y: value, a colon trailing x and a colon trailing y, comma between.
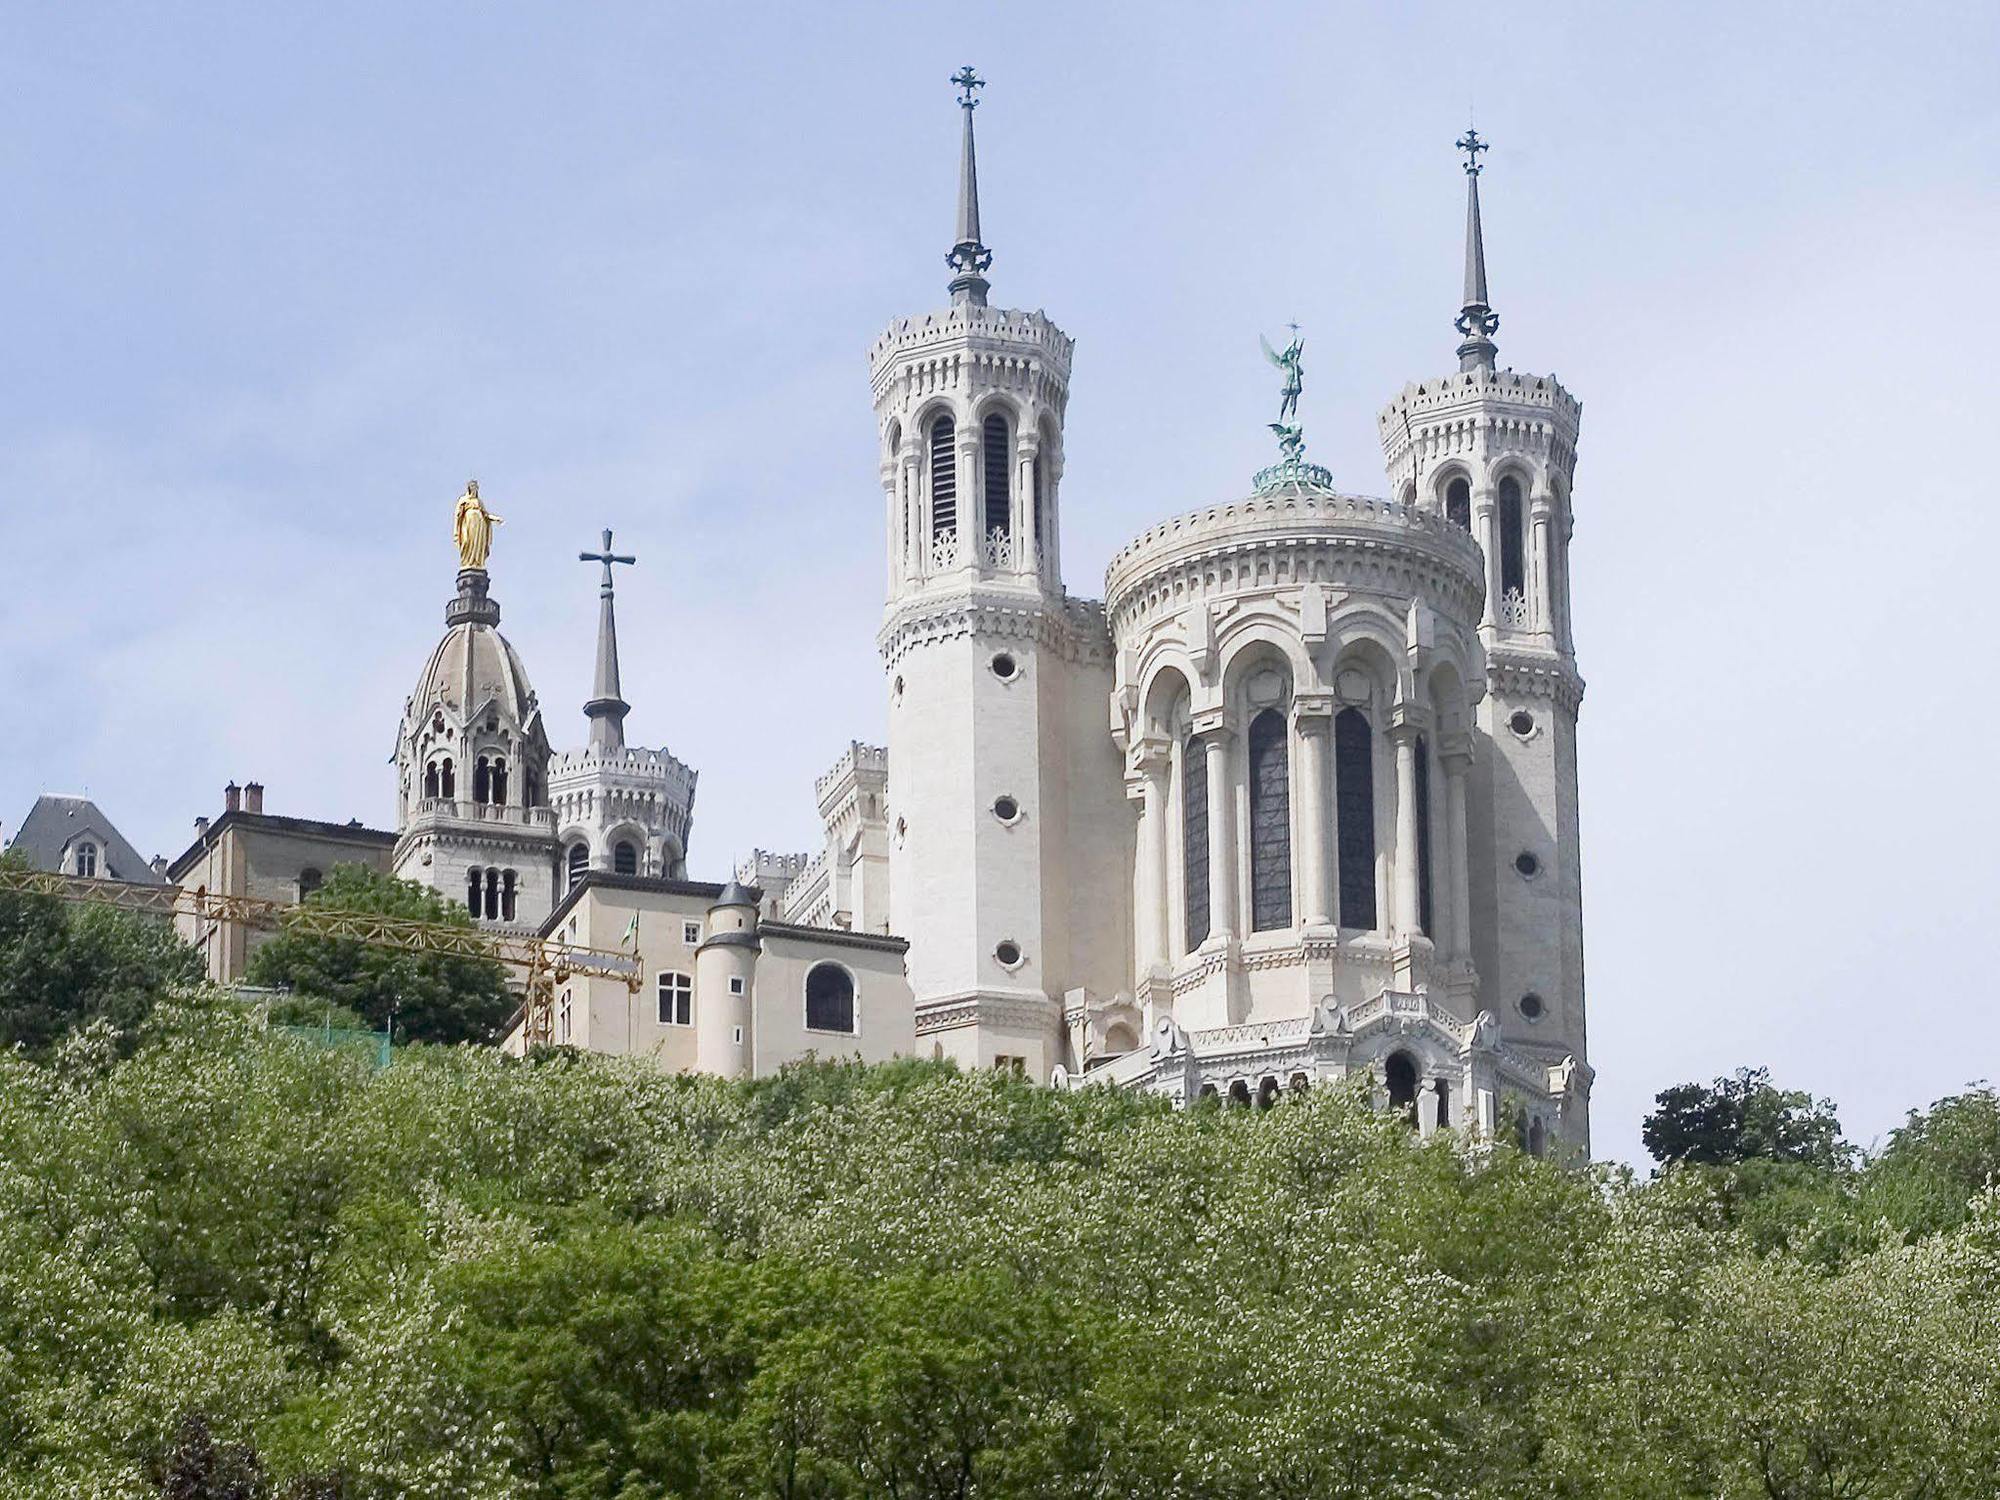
x: 431, y: 779
x: 944, y: 478
x: 1458, y: 504
x: 1354, y: 802
x: 447, y: 780
x: 829, y: 999
x: 1270, y: 823
x: 475, y: 891
x: 1424, y: 908
x: 625, y: 858
x: 999, y: 510
x: 481, y: 782
x: 1512, y: 574
x: 1194, y: 839
x: 507, y: 895
x: 496, y: 787
x: 1400, y: 1074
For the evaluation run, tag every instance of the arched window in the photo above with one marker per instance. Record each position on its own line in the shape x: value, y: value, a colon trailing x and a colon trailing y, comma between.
x: 579, y: 861
x: 492, y: 895
x: 829, y: 999
x: 1537, y: 1138
x: 1194, y: 839
x: 431, y: 779
x: 447, y: 781
x: 309, y: 881
x: 86, y: 860
x: 531, y: 792
x: 944, y: 477
x: 1270, y: 823
x: 1424, y: 908
x: 625, y: 858
x: 497, y: 786
x: 482, y: 783
x: 475, y: 892
x: 1458, y: 503
x: 507, y: 895
x: 999, y: 509
x: 1443, y: 1090
x: 1354, y: 799
x: 1511, y: 573
x: 1400, y: 1073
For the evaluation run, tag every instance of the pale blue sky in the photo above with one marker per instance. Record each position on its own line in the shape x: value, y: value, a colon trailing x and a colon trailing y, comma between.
x: 276, y: 279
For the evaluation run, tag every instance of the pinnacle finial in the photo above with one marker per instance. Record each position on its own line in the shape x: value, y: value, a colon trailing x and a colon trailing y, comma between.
x: 1476, y: 319
x: 607, y: 707
x: 968, y: 258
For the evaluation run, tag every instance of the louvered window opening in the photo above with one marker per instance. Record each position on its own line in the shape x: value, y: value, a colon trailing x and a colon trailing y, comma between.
x: 1511, y: 571
x: 1194, y: 839
x: 1270, y: 823
x: 1458, y: 504
x: 999, y: 515
x: 1354, y: 803
x: 944, y: 478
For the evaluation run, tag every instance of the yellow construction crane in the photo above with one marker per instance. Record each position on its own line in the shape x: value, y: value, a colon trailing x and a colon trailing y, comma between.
x: 543, y: 963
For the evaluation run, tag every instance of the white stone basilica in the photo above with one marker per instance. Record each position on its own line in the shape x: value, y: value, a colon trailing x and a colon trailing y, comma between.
x: 1297, y: 799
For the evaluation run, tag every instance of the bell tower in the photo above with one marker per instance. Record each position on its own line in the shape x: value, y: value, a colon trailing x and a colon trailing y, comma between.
x: 997, y: 679
x: 1494, y: 451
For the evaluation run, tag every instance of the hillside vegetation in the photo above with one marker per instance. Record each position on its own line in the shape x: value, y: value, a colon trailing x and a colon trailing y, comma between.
x: 233, y: 1262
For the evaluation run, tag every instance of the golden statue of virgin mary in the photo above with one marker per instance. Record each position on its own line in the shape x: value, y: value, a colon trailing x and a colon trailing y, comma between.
x: 472, y: 527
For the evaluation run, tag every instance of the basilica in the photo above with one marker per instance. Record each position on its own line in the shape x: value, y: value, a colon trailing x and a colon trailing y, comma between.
x: 1295, y: 799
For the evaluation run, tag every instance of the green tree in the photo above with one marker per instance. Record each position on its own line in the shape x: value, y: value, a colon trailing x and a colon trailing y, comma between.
x: 64, y: 965
x: 1744, y: 1118
x: 429, y: 997
x: 1937, y: 1162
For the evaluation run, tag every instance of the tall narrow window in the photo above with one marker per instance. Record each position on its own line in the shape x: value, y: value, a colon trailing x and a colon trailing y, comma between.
x: 1270, y: 823
x: 625, y: 858
x: 507, y: 895
x: 1194, y: 839
x: 999, y: 509
x: 579, y: 861
x: 1458, y: 503
x: 86, y: 860
x: 482, y: 783
x: 1511, y: 573
x: 492, y: 895
x: 944, y: 477
x: 1400, y: 1074
x: 309, y: 881
x: 497, y: 785
x: 447, y: 780
x: 1424, y: 837
x: 1354, y: 798
x: 431, y: 779
x: 475, y: 892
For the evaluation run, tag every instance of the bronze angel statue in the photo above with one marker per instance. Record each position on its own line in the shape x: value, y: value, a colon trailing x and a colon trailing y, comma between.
x: 1291, y: 361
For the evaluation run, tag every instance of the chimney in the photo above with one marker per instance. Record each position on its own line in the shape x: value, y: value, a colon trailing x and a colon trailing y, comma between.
x: 200, y: 828
x: 232, y: 799
x: 253, y: 797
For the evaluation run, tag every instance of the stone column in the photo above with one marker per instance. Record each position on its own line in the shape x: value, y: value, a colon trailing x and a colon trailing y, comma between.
x: 1312, y: 722
x: 1457, y: 759
x: 1149, y: 894
x: 891, y: 480
x: 1027, y: 544
x: 1485, y: 526
x: 1543, y: 614
x: 1220, y: 738
x: 916, y: 536
x: 1565, y: 638
x: 1403, y: 735
x: 971, y: 500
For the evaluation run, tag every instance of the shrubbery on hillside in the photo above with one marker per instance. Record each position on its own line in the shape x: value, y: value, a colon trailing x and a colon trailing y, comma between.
x: 460, y: 1276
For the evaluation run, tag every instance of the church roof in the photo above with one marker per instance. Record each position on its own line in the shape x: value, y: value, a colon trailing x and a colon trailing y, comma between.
x: 474, y: 665
x: 54, y: 823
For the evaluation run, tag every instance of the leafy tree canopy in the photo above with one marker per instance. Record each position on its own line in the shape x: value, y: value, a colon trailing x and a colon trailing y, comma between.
x: 64, y: 965
x: 1743, y: 1118
x: 429, y: 997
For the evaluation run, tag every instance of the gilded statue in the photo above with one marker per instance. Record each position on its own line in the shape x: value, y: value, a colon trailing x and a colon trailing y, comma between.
x: 472, y: 527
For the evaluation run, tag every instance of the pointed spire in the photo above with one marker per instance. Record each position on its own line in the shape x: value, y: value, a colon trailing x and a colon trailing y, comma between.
x: 968, y: 258
x: 1476, y: 318
x: 606, y: 708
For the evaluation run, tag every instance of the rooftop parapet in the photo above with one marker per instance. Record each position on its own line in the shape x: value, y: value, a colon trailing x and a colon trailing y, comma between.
x: 999, y: 329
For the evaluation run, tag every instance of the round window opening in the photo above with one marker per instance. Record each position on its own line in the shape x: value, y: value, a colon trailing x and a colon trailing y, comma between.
x: 1006, y: 809
x: 1522, y: 722
x: 1009, y: 954
x: 1531, y: 1006
x: 1005, y: 667
x: 1527, y: 865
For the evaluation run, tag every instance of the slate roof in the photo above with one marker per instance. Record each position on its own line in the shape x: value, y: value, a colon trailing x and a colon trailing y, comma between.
x: 55, y: 822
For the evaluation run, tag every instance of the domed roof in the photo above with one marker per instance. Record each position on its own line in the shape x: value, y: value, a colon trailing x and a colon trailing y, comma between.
x: 474, y: 664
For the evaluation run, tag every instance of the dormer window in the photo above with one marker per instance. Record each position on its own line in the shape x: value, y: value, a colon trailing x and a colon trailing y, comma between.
x: 86, y: 860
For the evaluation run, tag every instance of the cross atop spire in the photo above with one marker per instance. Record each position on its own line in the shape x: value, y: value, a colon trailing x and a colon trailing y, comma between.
x: 606, y: 709
x: 1476, y: 319
x: 968, y: 258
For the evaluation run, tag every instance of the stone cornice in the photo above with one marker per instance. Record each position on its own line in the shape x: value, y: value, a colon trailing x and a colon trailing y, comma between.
x: 1534, y: 676
x: 1020, y: 1012
x: 1073, y: 629
x: 998, y: 329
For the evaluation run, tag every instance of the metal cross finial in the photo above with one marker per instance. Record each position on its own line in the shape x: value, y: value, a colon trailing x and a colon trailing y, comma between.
x: 607, y: 557
x: 968, y: 81
x: 1471, y: 145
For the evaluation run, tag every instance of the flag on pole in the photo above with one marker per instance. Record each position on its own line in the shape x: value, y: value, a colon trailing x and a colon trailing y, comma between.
x: 631, y: 938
